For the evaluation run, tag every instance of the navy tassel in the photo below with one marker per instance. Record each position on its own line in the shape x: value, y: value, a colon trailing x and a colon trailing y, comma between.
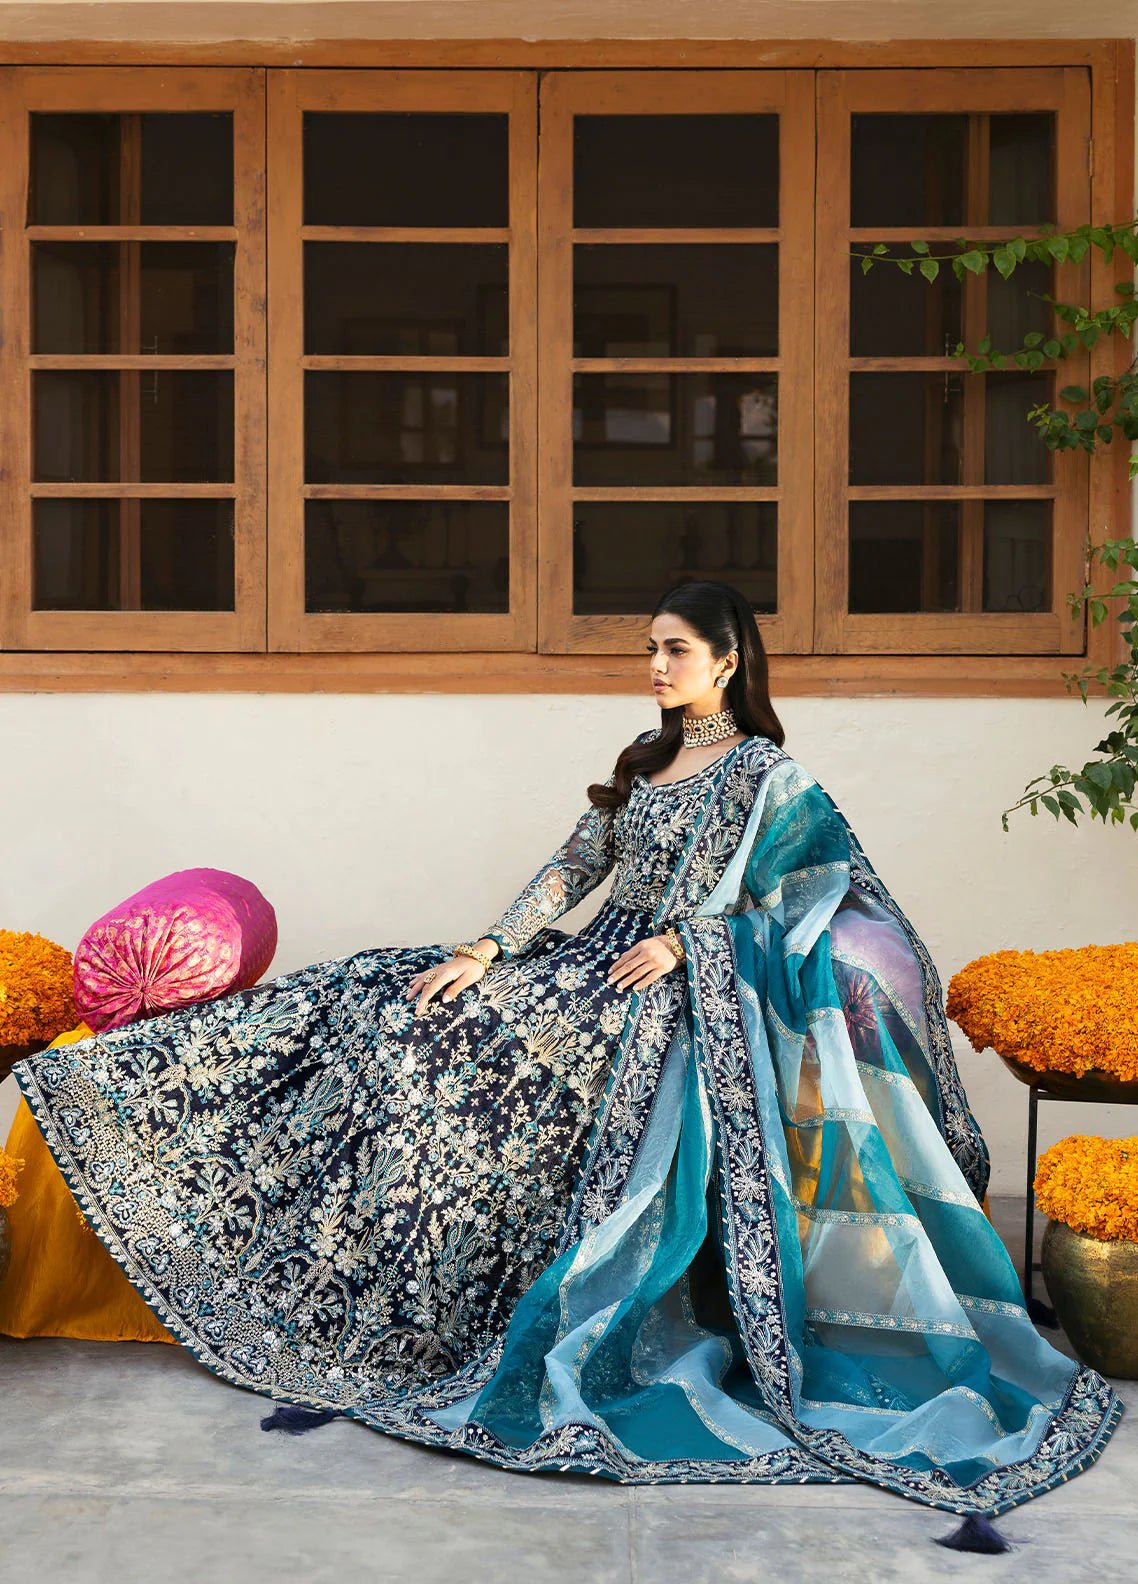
x: 297, y: 1420
x: 976, y: 1533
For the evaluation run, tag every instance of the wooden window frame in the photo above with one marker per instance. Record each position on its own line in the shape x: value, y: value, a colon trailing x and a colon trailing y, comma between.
x: 1066, y: 92
x: 564, y: 95
x: 290, y: 94
x: 178, y: 668
x: 128, y: 90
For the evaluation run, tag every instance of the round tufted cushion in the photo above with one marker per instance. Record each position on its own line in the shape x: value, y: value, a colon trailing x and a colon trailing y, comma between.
x: 191, y: 936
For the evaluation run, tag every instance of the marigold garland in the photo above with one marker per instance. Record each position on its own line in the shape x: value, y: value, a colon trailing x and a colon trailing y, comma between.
x: 1055, y: 1011
x: 1092, y: 1185
x: 10, y: 1169
x: 36, y: 1001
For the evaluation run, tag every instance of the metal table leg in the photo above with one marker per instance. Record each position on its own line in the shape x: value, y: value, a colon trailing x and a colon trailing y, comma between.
x: 1042, y: 1313
x: 1029, y: 1230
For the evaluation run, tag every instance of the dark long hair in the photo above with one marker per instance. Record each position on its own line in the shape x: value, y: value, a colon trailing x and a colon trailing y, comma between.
x: 723, y: 618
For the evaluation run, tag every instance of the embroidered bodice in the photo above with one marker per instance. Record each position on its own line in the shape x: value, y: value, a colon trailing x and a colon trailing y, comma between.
x: 651, y: 832
x: 643, y: 842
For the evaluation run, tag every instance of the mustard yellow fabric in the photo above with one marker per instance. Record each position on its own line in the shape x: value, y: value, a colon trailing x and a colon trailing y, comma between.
x: 62, y: 1282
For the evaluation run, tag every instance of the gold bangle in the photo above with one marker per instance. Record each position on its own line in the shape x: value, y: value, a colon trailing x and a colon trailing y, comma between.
x: 675, y: 945
x: 467, y: 950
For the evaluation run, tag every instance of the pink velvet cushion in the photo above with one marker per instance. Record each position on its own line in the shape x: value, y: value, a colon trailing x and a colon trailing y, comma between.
x: 191, y: 936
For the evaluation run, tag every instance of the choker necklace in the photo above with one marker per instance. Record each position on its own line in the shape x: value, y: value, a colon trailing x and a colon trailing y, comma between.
x: 700, y: 730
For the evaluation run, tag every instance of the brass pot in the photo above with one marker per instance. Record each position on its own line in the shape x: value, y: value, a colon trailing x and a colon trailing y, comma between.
x: 5, y: 1243
x: 1093, y: 1284
x: 1094, y: 1084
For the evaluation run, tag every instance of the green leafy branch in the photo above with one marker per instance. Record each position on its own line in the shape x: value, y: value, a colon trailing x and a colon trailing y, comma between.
x: 1105, y: 786
x: 1111, y: 404
x: 1051, y: 246
x: 1106, y: 783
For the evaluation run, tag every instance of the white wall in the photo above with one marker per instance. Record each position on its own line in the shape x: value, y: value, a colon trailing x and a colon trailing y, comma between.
x: 389, y: 820
x: 186, y: 20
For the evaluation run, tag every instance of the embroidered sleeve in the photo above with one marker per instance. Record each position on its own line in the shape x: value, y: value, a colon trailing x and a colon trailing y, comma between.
x: 576, y: 868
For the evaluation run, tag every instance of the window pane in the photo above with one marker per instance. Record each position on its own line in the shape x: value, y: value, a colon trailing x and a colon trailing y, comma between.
x: 907, y: 170
x: 430, y: 299
x: 675, y: 170
x: 406, y: 428
x: 675, y: 429
x: 406, y: 168
x: 164, y: 426
x: 407, y: 556
x: 675, y: 300
x: 904, y: 556
x: 81, y: 167
x: 626, y: 553
x: 151, y: 555
x: 906, y: 428
x: 1017, y: 555
x: 183, y: 302
x: 1014, y: 452
x: 898, y: 315
x: 1021, y: 169
x: 1016, y: 306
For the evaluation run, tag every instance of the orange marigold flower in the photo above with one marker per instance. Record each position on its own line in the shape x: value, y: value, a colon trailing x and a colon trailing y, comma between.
x: 36, y: 1001
x: 1092, y: 1185
x: 10, y: 1169
x: 1055, y: 1011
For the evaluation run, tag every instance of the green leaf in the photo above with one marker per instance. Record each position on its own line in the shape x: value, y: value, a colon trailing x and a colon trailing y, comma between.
x: 919, y: 247
x: 974, y: 260
x: 930, y: 268
x: 1074, y: 393
x: 1050, y: 804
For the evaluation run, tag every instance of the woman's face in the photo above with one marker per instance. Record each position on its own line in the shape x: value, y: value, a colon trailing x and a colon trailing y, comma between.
x: 682, y: 667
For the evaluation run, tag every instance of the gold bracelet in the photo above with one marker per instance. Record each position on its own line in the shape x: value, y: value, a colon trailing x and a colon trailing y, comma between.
x: 468, y: 950
x: 675, y: 945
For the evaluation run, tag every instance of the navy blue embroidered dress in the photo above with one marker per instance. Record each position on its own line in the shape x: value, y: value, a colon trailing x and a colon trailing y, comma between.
x: 727, y: 1228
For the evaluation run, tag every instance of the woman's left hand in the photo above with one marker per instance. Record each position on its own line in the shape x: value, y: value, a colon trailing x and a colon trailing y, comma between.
x: 642, y: 964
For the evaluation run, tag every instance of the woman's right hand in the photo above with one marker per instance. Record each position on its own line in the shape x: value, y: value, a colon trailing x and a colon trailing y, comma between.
x: 450, y: 978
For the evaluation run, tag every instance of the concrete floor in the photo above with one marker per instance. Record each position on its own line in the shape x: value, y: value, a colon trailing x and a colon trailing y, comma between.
x: 129, y: 1463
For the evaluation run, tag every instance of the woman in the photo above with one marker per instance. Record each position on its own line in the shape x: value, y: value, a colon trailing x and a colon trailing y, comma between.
x: 694, y: 1194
